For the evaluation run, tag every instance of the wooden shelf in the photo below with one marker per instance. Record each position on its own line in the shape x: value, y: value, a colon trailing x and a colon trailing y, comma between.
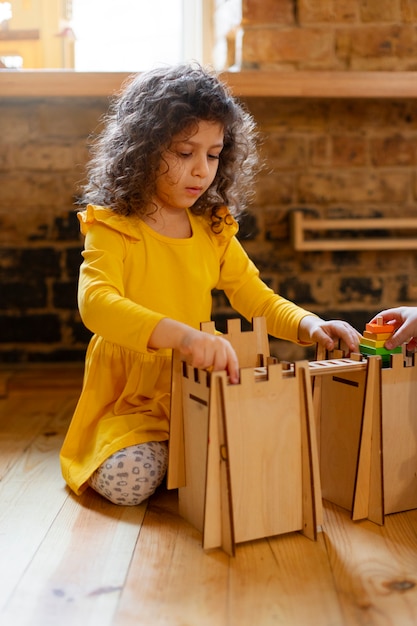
x: 303, y: 226
x: 67, y: 83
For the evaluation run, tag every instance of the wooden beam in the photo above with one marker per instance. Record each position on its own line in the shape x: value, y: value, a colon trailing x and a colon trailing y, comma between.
x: 275, y: 84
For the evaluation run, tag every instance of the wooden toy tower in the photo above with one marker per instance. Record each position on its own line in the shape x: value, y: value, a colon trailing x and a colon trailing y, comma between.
x: 244, y: 456
x: 366, y: 420
x: 254, y: 459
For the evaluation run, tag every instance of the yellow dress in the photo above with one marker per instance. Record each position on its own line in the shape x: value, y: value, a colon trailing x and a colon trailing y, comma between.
x: 132, y: 277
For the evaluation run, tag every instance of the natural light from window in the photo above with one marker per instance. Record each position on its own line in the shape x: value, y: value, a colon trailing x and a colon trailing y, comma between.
x: 134, y: 35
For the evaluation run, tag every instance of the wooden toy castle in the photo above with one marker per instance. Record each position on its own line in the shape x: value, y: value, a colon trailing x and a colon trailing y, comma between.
x: 254, y: 459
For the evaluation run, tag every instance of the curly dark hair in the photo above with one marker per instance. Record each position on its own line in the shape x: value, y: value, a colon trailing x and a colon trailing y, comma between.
x: 142, y: 120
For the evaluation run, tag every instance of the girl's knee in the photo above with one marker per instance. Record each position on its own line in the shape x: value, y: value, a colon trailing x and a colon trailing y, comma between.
x: 131, y: 475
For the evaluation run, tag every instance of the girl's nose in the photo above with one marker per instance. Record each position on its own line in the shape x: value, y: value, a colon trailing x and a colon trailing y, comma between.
x: 200, y: 167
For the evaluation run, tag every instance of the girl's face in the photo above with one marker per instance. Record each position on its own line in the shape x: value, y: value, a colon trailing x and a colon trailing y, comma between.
x: 189, y: 166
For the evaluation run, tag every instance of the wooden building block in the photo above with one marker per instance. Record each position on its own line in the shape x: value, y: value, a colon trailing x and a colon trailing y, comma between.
x: 379, y: 328
x: 259, y: 476
x: 368, y: 447
x: 399, y: 435
x: 252, y: 349
x: 251, y: 467
x: 373, y: 343
x: 376, y: 336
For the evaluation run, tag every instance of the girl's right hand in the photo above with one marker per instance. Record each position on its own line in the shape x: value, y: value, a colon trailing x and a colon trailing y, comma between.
x: 205, y: 350
x: 210, y: 351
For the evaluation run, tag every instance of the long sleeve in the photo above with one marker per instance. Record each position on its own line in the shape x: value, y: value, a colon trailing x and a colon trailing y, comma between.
x: 104, y: 305
x: 251, y: 297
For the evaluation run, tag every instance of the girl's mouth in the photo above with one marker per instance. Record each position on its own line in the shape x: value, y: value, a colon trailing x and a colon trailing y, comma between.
x: 194, y: 191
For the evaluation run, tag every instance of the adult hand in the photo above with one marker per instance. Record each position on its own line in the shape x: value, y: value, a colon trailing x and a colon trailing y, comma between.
x: 403, y: 320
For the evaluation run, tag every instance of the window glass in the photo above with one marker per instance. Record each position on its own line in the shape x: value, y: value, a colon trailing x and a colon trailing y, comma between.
x: 133, y: 35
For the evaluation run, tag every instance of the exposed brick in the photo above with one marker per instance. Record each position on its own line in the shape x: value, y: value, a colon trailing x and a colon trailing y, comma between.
x: 65, y: 295
x: 361, y: 289
x: 380, y: 10
x: 348, y: 151
x: 67, y: 227
x: 248, y: 227
x: 31, y: 188
x: 409, y: 10
x: 68, y: 119
x: 276, y: 226
x: 51, y: 355
x: 15, y: 118
x: 357, y: 318
x: 271, y: 45
x: 393, y: 150
x: 23, y: 295
x: 297, y: 290
x: 13, y: 355
x: 384, y: 64
x: 320, y: 151
x: 30, y: 328
x: 267, y: 12
x: 354, y: 187
x: 42, y: 156
x: 338, y: 151
x: 285, y: 152
x: 332, y: 11
x: 377, y: 41
x: 275, y: 187
x: 73, y: 260
x: 28, y: 264
x: 39, y: 262
x: 80, y: 334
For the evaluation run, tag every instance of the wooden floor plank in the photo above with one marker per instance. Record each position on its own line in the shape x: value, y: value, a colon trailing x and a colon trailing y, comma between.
x: 375, y: 568
x: 177, y: 583
x: 78, y: 573
x: 23, y: 416
x: 285, y: 580
x: 172, y: 581
x: 38, y: 376
x: 32, y: 493
x: 68, y: 560
x: 63, y: 559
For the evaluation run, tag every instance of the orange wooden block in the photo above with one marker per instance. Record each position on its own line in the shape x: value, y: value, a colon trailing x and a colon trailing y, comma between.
x: 379, y: 328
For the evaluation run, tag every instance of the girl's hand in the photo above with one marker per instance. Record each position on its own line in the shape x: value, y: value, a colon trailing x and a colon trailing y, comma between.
x: 404, y: 321
x: 205, y: 350
x: 210, y: 351
x: 326, y: 333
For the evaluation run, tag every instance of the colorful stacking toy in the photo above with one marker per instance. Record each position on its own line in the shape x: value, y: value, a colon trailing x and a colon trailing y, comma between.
x: 373, y: 341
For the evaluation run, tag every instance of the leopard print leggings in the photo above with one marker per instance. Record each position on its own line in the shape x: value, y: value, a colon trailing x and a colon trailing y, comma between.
x: 132, y: 474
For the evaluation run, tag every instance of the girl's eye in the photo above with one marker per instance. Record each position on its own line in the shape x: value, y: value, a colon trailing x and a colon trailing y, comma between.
x: 214, y: 156
x: 184, y: 155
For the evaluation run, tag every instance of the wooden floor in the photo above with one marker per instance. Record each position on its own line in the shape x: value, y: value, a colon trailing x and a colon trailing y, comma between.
x: 82, y: 561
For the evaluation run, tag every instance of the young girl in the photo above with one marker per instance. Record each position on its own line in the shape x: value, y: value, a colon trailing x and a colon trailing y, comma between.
x: 169, y: 175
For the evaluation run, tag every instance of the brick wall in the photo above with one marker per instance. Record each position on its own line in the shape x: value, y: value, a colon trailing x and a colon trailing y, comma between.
x: 327, y: 34
x: 42, y: 157
x: 340, y: 158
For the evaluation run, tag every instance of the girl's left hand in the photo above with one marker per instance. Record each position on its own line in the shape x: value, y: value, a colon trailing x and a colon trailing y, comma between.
x: 327, y: 333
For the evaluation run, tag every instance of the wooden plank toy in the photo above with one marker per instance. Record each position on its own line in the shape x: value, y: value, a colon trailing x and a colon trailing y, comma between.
x: 251, y: 465
x: 252, y: 349
x: 368, y: 438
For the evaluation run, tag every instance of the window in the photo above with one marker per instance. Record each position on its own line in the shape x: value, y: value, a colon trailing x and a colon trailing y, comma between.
x: 135, y: 35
